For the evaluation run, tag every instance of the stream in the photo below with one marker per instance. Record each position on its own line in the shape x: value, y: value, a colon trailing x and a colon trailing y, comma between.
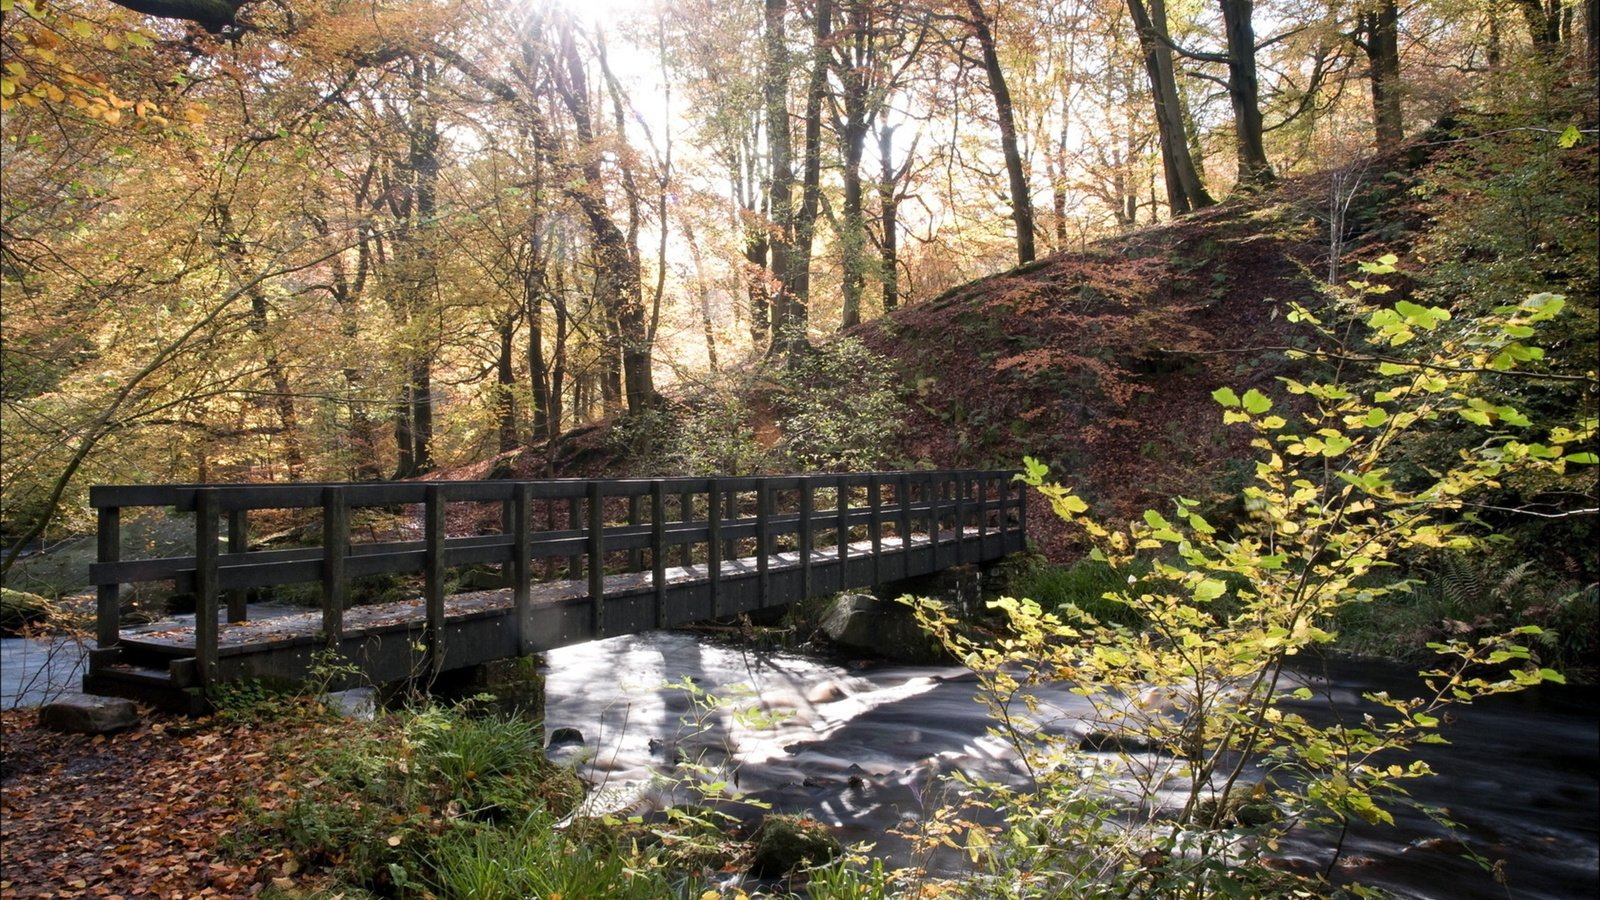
x: 863, y: 748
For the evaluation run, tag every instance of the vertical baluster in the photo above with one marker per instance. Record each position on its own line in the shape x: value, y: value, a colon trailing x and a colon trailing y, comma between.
x: 714, y: 544
x: 902, y: 495
x: 335, y: 549
x: 635, y: 556
x: 434, y: 571
x: 522, y: 565
x: 108, y: 597
x: 508, y: 524
x: 806, y: 501
x: 686, y: 515
x: 658, y: 549
x: 574, y: 523
x: 205, y: 584
x: 875, y: 527
x: 238, y: 542
x: 597, y: 558
x: 959, y: 527
x: 842, y: 529
x: 763, y: 539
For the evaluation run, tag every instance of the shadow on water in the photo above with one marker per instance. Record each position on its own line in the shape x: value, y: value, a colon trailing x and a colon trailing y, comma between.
x: 865, y: 750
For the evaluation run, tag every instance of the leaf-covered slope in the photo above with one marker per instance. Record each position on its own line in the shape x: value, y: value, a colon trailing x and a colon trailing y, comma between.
x: 1101, y: 363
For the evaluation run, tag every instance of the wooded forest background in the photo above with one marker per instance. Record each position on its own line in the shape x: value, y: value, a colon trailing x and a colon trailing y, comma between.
x: 327, y: 240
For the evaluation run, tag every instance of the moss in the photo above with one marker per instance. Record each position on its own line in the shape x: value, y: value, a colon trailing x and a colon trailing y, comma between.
x: 784, y: 844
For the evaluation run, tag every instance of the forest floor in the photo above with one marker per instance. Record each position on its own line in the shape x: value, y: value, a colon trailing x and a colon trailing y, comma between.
x: 145, y: 812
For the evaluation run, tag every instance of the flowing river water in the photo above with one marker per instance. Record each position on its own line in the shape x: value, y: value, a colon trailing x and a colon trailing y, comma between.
x: 864, y: 748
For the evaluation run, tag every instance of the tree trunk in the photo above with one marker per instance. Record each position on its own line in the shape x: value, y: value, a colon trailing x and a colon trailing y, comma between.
x: 889, y: 213
x: 1186, y: 191
x: 798, y: 288
x: 1021, y: 199
x: 1379, y: 30
x: 775, y: 93
x: 505, y: 398
x: 1245, y: 92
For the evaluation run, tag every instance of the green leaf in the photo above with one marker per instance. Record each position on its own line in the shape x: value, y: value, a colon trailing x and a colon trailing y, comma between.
x: 1256, y: 402
x: 1225, y: 396
x: 1569, y: 138
x: 1208, y: 590
x: 1587, y: 459
x: 1376, y: 416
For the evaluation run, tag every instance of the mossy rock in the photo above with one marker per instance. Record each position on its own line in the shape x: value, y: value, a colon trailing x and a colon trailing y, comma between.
x: 20, y: 610
x: 784, y: 844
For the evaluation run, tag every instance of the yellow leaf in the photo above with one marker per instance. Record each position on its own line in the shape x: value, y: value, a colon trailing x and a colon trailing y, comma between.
x: 393, y: 840
x: 55, y: 94
x: 110, y: 41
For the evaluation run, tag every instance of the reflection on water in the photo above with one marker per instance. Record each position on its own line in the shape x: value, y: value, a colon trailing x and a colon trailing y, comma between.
x: 865, y: 748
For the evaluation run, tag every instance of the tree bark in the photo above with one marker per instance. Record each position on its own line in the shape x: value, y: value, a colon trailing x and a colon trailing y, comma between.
x: 798, y: 288
x: 1021, y: 199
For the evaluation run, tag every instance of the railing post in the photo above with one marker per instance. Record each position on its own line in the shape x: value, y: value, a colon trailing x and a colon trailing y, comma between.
x: 108, y: 597
x: 434, y: 570
x: 522, y: 564
x: 597, y: 558
x: 335, y: 549
x: 658, y: 549
x: 804, y: 538
x: 205, y: 584
x: 238, y: 542
x: 714, y: 545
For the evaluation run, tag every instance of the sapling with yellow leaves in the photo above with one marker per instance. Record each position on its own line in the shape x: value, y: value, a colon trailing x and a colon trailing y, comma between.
x: 1198, y: 699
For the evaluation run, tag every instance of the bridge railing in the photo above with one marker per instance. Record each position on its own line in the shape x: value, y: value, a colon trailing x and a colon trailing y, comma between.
x: 577, y: 530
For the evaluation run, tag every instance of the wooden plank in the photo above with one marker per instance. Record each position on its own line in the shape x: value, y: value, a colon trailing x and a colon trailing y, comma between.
x: 108, y: 594
x: 902, y: 496
x: 433, y: 528
x: 205, y: 589
x: 335, y: 550
x: 522, y: 567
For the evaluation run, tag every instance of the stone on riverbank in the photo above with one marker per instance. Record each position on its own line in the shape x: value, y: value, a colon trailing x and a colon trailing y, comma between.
x: 84, y: 714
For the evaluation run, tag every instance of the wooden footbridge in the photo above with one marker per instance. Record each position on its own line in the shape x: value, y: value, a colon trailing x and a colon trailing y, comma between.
x: 573, y: 560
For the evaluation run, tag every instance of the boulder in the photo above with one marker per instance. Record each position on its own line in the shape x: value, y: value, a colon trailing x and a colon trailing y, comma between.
x: 784, y: 844
x: 865, y: 623
x: 85, y: 714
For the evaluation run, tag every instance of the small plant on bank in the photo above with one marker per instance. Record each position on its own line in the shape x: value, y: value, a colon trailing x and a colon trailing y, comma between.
x: 1210, y: 762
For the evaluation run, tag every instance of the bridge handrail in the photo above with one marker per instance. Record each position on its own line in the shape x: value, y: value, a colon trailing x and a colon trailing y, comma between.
x: 602, y: 517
